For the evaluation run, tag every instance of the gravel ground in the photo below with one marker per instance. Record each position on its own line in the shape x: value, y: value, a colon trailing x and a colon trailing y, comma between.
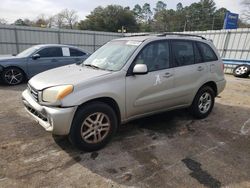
x: 167, y: 150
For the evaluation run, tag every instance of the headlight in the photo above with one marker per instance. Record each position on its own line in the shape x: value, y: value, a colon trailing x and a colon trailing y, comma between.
x: 53, y: 94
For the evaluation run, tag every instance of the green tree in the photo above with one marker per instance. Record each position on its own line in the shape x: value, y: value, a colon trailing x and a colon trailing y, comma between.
x: 137, y: 10
x: 147, y: 13
x: 19, y: 22
x: 208, y: 10
x: 199, y: 16
x: 161, y: 17
x: 110, y: 18
x: 218, y: 18
x: 160, y: 6
x: 179, y: 7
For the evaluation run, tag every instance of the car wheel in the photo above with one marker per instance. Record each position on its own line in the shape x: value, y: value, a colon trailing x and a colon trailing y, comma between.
x: 93, y: 126
x: 203, y: 102
x: 13, y: 76
x: 241, y: 71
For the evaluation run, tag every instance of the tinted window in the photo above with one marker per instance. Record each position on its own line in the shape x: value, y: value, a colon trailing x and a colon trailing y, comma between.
x: 51, y: 52
x: 75, y: 52
x: 183, y: 53
x: 197, y: 54
x: 155, y: 55
x: 207, y: 52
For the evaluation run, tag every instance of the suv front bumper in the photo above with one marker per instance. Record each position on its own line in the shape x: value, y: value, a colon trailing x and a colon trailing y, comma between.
x: 52, y: 119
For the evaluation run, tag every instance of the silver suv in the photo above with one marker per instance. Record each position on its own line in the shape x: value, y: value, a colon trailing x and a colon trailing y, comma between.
x: 125, y: 79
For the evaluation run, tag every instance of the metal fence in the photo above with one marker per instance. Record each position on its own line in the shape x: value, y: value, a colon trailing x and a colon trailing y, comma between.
x: 232, y: 44
x: 14, y: 39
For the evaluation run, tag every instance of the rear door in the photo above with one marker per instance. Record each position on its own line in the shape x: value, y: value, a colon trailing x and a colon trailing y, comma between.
x: 189, y: 70
x: 152, y: 91
x: 72, y: 56
x: 49, y: 58
x: 77, y: 55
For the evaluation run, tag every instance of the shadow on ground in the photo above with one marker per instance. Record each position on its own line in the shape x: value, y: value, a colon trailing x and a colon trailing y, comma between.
x: 20, y: 87
x: 173, y: 149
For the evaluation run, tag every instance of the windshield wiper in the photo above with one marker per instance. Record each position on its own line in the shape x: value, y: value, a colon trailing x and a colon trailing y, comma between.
x: 92, y: 66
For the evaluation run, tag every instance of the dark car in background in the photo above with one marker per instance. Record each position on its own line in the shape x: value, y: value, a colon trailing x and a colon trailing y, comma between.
x: 15, y: 69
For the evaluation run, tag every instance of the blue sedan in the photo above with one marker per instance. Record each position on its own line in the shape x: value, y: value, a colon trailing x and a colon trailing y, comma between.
x: 15, y: 69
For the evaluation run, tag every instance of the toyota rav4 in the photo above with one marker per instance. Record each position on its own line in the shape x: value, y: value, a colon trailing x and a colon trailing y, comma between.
x: 125, y: 79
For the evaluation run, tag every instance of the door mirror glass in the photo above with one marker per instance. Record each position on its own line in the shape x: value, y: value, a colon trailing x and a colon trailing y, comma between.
x: 140, y: 69
x: 36, y: 56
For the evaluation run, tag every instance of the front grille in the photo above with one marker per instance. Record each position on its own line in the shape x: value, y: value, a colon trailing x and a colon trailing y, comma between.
x: 36, y: 113
x: 33, y: 92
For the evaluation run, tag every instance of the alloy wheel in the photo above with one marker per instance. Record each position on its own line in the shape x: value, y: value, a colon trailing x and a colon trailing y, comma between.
x: 95, y: 128
x: 205, y: 102
x: 13, y: 76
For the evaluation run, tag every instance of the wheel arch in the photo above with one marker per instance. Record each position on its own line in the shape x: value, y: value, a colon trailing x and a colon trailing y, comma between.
x: 14, y: 66
x: 213, y: 85
x: 107, y: 100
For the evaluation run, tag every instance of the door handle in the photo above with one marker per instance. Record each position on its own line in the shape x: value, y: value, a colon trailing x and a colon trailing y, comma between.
x: 167, y: 75
x: 53, y: 60
x: 200, y: 68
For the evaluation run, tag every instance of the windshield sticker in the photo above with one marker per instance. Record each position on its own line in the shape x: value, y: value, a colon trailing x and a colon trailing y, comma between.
x: 134, y: 43
x: 158, y: 80
x: 99, y: 61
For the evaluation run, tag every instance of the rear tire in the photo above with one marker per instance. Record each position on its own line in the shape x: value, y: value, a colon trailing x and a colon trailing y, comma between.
x: 203, y: 102
x: 93, y: 126
x: 13, y: 76
x: 241, y: 71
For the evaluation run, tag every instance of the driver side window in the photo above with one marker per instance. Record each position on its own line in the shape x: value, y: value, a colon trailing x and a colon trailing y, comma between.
x: 155, y: 55
x: 51, y: 52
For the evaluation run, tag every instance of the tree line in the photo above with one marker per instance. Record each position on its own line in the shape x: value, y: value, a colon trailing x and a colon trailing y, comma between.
x: 199, y: 16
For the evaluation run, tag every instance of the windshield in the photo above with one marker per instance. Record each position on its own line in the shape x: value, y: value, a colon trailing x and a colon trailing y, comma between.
x: 28, y: 51
x: 113, y: 55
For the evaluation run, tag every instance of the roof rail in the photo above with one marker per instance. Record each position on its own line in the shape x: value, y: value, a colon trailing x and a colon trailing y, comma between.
x: 181, y: 34
x: 137, y: 35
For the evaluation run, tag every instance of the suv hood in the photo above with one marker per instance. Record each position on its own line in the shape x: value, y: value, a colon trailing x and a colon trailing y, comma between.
x: 70, y: 74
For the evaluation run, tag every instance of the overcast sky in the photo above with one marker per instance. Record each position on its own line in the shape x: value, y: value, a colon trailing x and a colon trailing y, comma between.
x: 10, y: 10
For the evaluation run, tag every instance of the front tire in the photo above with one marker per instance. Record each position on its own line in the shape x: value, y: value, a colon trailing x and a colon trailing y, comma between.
x: 13, y: 76
x: 93, y: 126
x: 203, y: 102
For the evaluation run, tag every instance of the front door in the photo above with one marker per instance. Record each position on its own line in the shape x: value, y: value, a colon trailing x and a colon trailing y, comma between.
x: 49, y: 58
x: 152, y: 91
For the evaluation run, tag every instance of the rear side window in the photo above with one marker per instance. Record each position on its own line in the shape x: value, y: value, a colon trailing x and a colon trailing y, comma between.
x: 183, y: 53
x: 75, y: 52
x: 51, y: 52
x: 207, y: 52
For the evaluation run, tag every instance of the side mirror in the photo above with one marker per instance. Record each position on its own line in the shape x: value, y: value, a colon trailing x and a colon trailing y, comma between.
x: 36, y: 56
x: 140, y: 69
